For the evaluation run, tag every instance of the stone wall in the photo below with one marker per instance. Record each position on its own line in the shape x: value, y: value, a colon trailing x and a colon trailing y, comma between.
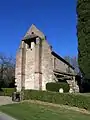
x: 47, y: 65
x: 18, y: 72
x: 60, y: 65
x: 38, y: 62
x: 30, y: 68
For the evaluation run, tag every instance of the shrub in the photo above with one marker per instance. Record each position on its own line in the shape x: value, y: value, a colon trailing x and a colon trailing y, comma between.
x: 56, y: 86
x: 7, y: 91
x: 77, y: 100
x: 1, y: 93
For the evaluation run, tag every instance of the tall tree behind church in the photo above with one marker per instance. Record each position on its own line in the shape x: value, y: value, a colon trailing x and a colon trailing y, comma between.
x: 83, y: 34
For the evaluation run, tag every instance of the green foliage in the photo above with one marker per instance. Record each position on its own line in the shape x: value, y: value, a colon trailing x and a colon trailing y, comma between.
x: 83, y: 33
x: 1, y: 93
x: 56, y: 86
x: 7, y: 91
x: 78, y: 100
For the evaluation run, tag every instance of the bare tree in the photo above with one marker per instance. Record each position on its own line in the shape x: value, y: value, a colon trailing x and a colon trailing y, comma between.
x: 7, y: 71
x: 73, y: 61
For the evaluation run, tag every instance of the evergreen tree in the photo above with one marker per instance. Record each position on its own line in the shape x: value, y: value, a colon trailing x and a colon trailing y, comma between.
x: 83, y: 33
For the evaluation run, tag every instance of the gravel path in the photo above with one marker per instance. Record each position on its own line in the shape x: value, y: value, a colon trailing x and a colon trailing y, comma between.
x: 5, y: 117
x: 4, y: 100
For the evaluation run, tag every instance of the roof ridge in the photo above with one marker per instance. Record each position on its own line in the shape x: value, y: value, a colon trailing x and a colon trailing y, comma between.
x: 35, y: 30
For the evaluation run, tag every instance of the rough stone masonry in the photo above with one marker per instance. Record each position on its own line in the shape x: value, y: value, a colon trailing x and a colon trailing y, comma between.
x: 37, y: 64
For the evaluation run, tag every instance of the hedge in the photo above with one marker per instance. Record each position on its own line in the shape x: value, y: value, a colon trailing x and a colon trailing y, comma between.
x: 7, y: 91
x: 56, y: 86
x: 76, y: 100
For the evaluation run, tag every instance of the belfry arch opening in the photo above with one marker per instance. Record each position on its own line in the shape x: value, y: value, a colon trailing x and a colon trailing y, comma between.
x: 30, y: 43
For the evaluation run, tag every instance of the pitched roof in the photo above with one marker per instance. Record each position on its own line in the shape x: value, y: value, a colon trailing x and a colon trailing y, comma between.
x: 33, y: 31
x: 62, y: 59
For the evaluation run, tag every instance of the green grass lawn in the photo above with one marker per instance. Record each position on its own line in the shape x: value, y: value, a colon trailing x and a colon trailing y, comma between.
x: 31, y: 111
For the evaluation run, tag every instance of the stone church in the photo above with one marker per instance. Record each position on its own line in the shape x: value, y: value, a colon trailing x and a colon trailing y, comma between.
x: 37, y: 64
